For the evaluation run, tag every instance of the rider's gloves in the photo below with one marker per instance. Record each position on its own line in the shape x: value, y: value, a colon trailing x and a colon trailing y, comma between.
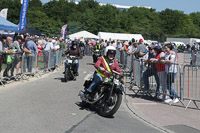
x: 101, y: 69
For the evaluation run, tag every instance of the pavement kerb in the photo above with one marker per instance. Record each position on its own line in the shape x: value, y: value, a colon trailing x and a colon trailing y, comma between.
x: 16, y: 83
x: 139, y: 116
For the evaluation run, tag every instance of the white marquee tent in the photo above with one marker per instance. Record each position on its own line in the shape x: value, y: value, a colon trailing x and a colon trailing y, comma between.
x: 119, y: 36
x: 84, y: 34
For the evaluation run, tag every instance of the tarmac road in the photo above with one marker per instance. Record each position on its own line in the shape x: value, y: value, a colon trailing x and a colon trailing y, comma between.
x: 49, y: 105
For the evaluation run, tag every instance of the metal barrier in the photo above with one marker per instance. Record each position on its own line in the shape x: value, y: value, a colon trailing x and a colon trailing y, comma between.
x: 117, y: 56
x: 156, y: 82
x: 191, y: 84
x: 187, y: 57
x: 24, y: 64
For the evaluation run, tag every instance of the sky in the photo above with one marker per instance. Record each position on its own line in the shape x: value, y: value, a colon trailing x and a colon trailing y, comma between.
x: 187, y: 6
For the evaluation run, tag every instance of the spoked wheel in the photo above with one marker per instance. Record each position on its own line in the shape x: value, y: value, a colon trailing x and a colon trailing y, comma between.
x: 110, y: 108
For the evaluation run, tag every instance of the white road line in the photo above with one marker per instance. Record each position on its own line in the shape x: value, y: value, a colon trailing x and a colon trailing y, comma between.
x: 145, y: 103
x: 84, y: 72
x: 88, y: 76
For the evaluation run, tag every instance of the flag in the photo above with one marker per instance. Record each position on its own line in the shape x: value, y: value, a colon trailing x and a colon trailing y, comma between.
x: 22, y: 22
x: 64, y: 31
x: 4, y: 12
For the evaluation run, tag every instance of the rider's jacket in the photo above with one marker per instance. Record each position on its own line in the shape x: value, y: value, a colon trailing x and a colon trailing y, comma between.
x: 73, y: 52
x: 112, y: 64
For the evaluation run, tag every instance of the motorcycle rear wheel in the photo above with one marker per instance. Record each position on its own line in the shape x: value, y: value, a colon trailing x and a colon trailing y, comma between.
x: 104, y: 109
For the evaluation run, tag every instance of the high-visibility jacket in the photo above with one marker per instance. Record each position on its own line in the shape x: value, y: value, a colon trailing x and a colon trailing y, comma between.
x: 108, y: 68
x: 98, y: 47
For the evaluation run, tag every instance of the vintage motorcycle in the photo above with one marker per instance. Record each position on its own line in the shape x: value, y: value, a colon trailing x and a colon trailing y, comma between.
x: 106, y: 97
x: 70, y: 68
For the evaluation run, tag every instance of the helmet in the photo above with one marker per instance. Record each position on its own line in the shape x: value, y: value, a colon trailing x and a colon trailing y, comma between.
x: 74, y: 43
x: 110, y: 49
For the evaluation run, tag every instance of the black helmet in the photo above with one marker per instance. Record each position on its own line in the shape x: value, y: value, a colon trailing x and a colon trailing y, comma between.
x: 74, y: 43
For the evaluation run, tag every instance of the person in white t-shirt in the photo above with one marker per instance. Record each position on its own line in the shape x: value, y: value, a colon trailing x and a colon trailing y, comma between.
x: 171, y: 71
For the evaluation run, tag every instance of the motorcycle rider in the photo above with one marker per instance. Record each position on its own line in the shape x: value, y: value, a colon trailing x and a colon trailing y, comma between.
x: 74, y: 51
x: 95, y: 48
x: 104, y: 63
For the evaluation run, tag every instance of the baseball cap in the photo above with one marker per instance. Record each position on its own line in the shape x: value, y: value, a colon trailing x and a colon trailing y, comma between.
x: 141, y: 40
x: 157, y: 48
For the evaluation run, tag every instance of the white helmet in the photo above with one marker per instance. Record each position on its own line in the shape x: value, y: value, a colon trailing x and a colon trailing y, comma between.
x: 110, y: 49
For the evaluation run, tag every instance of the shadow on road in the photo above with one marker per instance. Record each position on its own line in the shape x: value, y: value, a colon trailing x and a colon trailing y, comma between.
x: 61, y: 79
x: 91, y: 109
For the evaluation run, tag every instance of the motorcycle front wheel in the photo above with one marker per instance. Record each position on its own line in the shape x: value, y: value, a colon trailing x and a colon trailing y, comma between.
x: 110, y: 108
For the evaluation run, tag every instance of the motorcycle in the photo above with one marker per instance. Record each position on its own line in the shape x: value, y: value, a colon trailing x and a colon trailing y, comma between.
x: 106, y: 97
x: 70, y: 68
x: 96, y: 55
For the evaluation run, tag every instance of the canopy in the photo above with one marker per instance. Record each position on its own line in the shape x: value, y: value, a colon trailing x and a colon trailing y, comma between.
x: 83, y: 34
x: 7, y: 25
x: 119, y: 36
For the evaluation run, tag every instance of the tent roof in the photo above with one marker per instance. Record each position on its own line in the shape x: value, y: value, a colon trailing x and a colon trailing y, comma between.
x: 119, y: 36
x: 84, y: 34
x: 7, y: 25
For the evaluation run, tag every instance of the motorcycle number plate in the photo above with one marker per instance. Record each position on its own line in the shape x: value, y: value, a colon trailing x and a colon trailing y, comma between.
x: 69, y: 61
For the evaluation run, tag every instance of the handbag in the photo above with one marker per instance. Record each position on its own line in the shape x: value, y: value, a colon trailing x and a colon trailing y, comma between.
x: 9, y: 59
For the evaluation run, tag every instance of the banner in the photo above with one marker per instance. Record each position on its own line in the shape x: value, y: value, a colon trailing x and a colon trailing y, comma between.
x: 63, y: 31
x: 4, y: 12
x: 24, y: 8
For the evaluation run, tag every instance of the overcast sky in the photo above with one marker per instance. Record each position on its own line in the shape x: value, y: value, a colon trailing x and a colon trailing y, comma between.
x: 187, y: 6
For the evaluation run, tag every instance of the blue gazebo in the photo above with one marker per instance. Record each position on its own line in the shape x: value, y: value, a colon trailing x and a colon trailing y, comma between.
x: 7, y: 25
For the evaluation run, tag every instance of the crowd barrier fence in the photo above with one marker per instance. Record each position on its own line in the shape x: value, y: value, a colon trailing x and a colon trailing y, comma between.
x: 191, y: 84
x: 180, y: 83
x: 24, y: 64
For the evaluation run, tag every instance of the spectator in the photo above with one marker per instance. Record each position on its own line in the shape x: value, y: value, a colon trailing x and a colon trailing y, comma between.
x: 151, y: 71
x: 119, y: 45
x: 62, y: 44
x: 40, y: 48
x: 47, y: 48
x: 2, y: 50
x: 30, y: 48
x: 160, y: 55
x: 12, y: 48
x: 141, y: 49
x: 171, y: 71
x: 125, y: 46
x: 82, y: 47
x: 131, y: 48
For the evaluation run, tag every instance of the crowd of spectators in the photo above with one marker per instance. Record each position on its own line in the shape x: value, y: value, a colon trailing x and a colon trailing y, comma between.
x: 13, y: 49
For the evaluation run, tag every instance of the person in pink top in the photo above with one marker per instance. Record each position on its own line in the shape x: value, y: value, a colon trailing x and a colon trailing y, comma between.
x: 104, y: 63
x: 39, y: 43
